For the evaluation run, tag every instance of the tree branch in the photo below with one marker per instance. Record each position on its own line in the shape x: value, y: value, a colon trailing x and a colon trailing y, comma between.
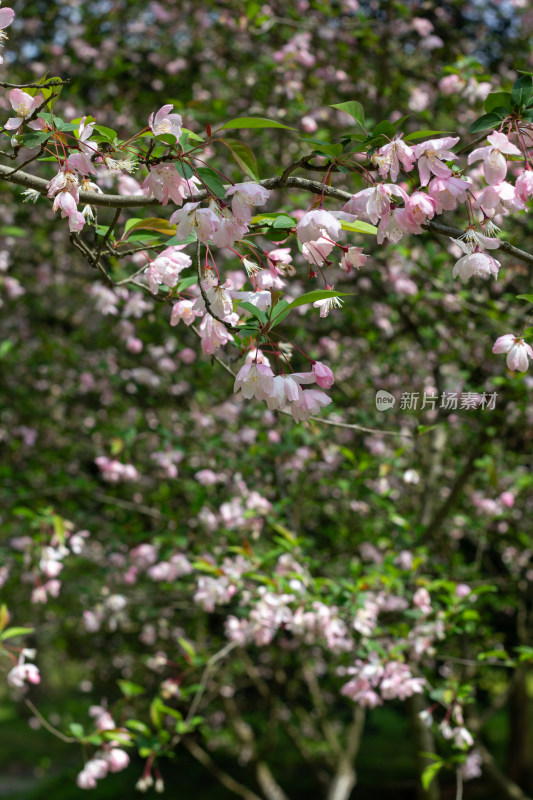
x: 226, y: 780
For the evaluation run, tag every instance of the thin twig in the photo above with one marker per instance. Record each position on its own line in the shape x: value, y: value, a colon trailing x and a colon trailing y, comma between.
x: 44, y: 722
x: 46, y: 85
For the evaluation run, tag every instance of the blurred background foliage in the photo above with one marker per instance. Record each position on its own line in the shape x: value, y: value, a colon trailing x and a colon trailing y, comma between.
x: 71, y: 392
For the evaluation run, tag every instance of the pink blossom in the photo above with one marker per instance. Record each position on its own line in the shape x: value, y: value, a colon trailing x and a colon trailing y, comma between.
x: 246, y: 195
x: 324, y: 376
x: 422, y: 600
x: 7, y: 15
x: 507, y: 499
x: 64, y: 181
x: 23, y: 105
x: 22, y: 673
x: 316, y: 252
x: 494, y: 163
x: 431, y: 156
x: 447, y: 192
x: 353, y: 259
x: 518, y: 351
x: 255, y: 380
x: 498, y: 197
x: 117, y: 759
x: 479, y: 265
x: 327, y: 304
x: 391, y: 156
x: 165, y: 183
x: 214, y: 334
x: 162, y: 122
x: 472, y: 768
x: 316, y: 224
x: 184, y: 310
x: 279, y: 260
x: 375, y: 202
x: 310, y: 402
x: 166, y: 268
x: 190, y: 217
x: 144, y: 555
x: 524, y: 186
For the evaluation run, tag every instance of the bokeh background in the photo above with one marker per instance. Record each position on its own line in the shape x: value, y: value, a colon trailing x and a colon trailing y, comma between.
x: 71, y: 391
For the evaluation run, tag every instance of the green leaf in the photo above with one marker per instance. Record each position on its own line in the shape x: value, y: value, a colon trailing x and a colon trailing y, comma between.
x: 59, y: 528
x: 35, y: 138
x: 10, y: 633
x: 280, y: 311
x: 260, y: 315
x: 184, y: 170
x: 317, y: 294
x: 423, y: 134
x: 129, y: 689
x: 212, y: 181
x: 192, y: 135
x: 76, y: 730
x: 137, y: 725
x: 522, y: 91
x: 354, y: 109
x: 176, y: 240
x: 244, y: 157
x: 4, y: 616
x: 242, y: 123
x: 187, y: 646
x: 152, y: 224
x: 185, y: 283
x: 528, y: 297
x: 496, y: 99
x: 384, y: 128
x: 107, y: 133
x: 5, y: 347
x: 429, y: 774
x: 284, y: 221
x: 358, y: 226
x: 485, y: 122
x: 325, y: 148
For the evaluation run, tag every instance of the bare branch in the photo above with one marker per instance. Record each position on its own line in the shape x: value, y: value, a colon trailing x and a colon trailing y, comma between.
x: 46, y: 85
x: 226, y: 780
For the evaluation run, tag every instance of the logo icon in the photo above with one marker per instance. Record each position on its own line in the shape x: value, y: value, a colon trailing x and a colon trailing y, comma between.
x: 384, y: 400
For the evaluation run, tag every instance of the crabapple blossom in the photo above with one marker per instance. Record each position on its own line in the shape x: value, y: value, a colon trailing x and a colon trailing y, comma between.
x: 7, y: 15
x: 162, y: 122
x: 23, y: 105
x: 246, y: 195
x: 310, y: 402
x: 318, y: 224
x: 447, y: 192
x: 166, y: 268
x: 214, y: 334
x: 165, y: 183
x: 22, y: 673
x: 324, y: 376
x: 255, y: 380
x: 117, y: 759
x: 494, y: 162
x: 479, y: 265
x: 190, y: 217
x: 375, y: 202
x: 316, y: 252
x: 353, y: 258
x: 327, y: 304
x: 518, y: 351
x: 431, y: 156
x: 185, y: 311
x: 391, y: 156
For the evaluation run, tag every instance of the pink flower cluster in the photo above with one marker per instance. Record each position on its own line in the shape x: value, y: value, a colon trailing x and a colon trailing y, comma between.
x: 285, y: 391
x: 373, y: 682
